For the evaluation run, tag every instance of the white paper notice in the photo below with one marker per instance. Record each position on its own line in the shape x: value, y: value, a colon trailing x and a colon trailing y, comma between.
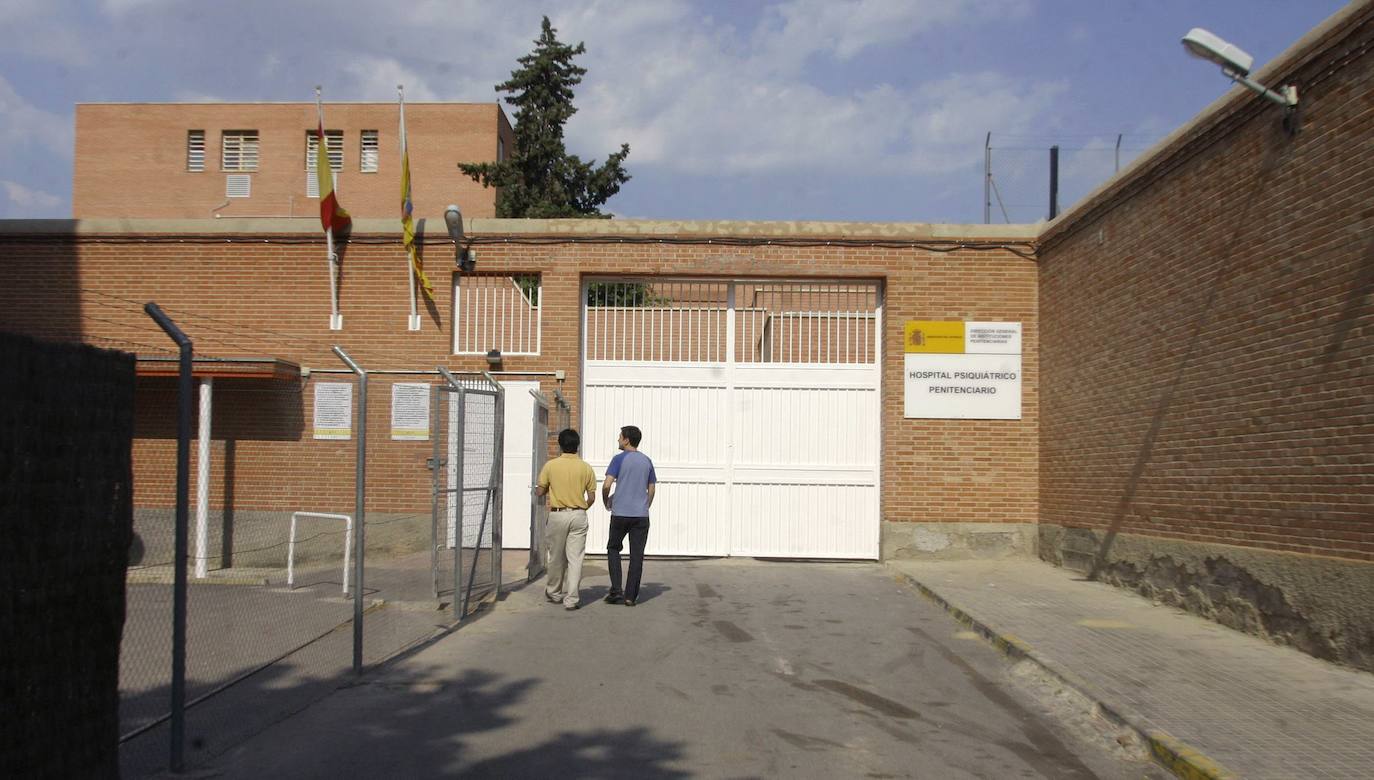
x: 333, y: 410
x: 410, y: 411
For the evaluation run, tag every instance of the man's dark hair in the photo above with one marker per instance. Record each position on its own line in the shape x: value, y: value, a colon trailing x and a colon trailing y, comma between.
x: 569, y: 441
x: 632, y: 433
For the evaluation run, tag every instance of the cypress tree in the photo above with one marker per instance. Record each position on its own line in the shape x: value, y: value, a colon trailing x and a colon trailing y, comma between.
x: 539, y: 179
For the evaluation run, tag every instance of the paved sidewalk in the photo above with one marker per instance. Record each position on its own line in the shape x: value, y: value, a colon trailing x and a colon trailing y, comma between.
x: 1210, y: 700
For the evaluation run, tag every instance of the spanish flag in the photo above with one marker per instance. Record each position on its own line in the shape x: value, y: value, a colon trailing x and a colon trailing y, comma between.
x: 407, y: 210
x: 332, y: 215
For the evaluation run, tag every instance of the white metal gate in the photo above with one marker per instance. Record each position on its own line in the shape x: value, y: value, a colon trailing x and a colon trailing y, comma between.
x: 760, y: 407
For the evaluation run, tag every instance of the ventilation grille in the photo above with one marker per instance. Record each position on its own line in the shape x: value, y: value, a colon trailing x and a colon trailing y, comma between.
x: 238, y: 185
x: 195, y: 150
x: 367, y: 158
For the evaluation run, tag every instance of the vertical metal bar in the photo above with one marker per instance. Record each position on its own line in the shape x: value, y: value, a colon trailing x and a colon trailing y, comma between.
x: 461, y: 315
x: 203, y: 476
x: 498, y: 482
x: 359, y: 509
x: 185, y: 385
x: 1054, y: 181
x: 987, y: 179
x: 459, y: 607
x: 436, y: 466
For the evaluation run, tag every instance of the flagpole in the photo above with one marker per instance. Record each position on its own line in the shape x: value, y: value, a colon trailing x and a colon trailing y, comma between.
x: 335, y: 320
x: 410, y: 270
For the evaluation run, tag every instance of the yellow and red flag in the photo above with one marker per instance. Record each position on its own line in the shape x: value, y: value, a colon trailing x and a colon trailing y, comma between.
x: 407, y: 211
x: 332, y: 215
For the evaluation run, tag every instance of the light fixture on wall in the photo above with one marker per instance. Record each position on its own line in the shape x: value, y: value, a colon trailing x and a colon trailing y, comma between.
x: 1235, y: 64
x: 466, y: 259
x: 494, y: 359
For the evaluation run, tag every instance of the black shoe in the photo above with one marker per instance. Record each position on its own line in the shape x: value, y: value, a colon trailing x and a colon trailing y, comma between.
x: 614, y: 598
x: 573, y: 607
x: 629, y: 602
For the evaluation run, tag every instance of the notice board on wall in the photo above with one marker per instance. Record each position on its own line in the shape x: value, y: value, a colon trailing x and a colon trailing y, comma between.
x: 963, y: 370
x: 333, y: 410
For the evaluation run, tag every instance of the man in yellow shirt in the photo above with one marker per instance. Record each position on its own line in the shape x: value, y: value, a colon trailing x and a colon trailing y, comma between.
x: 570, y: 485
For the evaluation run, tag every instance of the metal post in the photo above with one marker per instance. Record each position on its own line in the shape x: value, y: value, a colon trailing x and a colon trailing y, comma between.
x: 1054, y: 181
x: 359, y: 508
x: 498, y: 482
x: 440, y: 467
x: 459, y: 604
x: 185, y: 386
x: 435, y: 464
x: 987, y: 179
x: 1118, y: 153
x: 207, y: 386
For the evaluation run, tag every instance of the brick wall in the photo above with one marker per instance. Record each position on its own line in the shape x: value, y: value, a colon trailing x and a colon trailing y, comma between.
x: 1209, y: 326
x: 131, y: 158
x: 268, y: 295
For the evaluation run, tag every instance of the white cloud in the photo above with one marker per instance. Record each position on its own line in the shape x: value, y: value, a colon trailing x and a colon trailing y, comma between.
x: 704, y: 100
x: 121, y: 7
x: 375, y: 78
x: 795, y: 30
x: 24, y: 126
x: 26, y: 200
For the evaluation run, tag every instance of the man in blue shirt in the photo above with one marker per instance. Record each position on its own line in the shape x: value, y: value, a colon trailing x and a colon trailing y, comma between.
x: 632, y: 473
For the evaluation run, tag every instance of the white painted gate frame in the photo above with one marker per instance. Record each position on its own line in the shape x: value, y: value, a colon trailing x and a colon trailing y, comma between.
x: 786, y: 497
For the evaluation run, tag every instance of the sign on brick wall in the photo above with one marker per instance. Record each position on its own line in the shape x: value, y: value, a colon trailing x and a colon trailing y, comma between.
x: 333, y: 410
x: 963, y: 370
x: 410, y: 411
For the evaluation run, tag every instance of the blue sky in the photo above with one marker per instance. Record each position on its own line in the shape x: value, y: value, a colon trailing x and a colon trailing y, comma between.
x: 869, y: 110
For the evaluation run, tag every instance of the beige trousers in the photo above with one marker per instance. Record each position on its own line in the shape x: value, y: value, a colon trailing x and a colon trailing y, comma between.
x: 565, y: 542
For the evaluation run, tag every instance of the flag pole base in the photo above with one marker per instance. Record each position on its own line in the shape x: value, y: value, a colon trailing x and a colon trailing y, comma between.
x: 336, y: 322
x: 414, y: 322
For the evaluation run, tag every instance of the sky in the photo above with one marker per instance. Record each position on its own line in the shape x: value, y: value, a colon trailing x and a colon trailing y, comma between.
x: 854, y: 110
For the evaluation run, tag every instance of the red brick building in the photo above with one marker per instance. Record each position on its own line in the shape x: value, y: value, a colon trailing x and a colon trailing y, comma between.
x: 232, y: 160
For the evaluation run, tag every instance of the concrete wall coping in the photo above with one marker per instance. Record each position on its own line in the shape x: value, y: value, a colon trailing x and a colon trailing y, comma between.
x: 893, y: 231
x: 308, y: 103
x: 1237, y: 99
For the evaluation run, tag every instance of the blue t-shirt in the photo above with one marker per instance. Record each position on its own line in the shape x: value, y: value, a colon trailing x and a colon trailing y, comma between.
x: 634, y: 473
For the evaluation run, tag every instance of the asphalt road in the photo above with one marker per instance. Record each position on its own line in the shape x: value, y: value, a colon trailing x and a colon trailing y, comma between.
x: 726, y: 668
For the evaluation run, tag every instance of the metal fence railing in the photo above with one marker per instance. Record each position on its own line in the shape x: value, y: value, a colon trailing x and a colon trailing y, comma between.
x: 467, y: 487
x: 262, y: 569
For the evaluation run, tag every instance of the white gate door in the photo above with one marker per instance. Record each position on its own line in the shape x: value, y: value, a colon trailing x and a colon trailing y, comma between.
x: 519, y: 433
x: 760, y: 407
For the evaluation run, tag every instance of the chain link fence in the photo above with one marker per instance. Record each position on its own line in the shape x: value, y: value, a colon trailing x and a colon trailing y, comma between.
x: 274, y: 532
x: 468, y: 480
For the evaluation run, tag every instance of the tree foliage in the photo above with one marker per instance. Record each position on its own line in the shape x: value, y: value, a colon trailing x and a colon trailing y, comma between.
x: 539, y: 179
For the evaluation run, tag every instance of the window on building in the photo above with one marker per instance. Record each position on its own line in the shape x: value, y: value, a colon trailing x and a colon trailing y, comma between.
x: 496, y: 311
x: 500, y: 149
x: 333, y: 144
x: 239, y: 150
x: 367, y: 156
x: 195, y: 150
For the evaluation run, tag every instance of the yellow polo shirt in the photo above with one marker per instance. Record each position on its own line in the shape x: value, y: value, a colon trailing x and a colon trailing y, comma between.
x: 566, y: 478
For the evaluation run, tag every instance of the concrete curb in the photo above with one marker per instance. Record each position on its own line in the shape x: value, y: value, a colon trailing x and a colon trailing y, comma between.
x: 1168, y: 751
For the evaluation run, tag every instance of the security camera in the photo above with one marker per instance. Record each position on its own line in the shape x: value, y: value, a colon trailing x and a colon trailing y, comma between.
x: 1208, y: 46
x: 466, y: 259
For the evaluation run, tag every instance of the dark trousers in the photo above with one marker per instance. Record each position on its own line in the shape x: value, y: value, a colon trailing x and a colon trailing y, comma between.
x: 638, y: 530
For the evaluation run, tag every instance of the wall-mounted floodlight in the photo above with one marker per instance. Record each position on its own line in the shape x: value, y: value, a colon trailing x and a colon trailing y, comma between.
x: 494, y: 359
x: 1235, y: 64
x: 463, y: 257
